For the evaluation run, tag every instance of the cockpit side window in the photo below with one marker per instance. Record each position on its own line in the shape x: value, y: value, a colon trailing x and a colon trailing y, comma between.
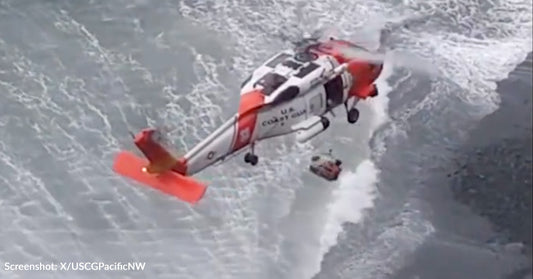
x: 270, y: 82
x: 288, y: 94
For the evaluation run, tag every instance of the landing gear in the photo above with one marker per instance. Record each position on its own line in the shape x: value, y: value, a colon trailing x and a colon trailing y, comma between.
x: 353, y: 115
x: 251, y: 158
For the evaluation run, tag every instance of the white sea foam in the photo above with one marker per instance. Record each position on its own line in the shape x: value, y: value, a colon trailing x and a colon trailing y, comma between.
x: 355, y: 193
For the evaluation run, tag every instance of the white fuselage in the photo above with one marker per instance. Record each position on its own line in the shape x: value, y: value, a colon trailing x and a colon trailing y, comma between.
x: 280, y: 118
x: 294, y: 91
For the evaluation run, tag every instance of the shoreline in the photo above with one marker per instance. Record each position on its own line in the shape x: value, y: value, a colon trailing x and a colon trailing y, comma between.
x: 494, y: 173
x: 480, y: 201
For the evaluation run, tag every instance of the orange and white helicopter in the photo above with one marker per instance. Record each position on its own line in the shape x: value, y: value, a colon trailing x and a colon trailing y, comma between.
x: 290, y: 93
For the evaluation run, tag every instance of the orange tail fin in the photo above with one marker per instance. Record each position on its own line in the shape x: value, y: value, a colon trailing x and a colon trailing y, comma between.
x: 149, y: 141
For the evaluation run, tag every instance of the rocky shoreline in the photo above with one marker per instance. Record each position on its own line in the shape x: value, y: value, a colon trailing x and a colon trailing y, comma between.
x: 493, y: 175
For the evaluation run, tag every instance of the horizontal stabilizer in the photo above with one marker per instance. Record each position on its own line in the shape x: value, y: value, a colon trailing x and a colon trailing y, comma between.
x: 171, y: 183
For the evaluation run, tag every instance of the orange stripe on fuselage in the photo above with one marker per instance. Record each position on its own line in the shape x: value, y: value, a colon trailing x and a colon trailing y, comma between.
x: 248, y: 110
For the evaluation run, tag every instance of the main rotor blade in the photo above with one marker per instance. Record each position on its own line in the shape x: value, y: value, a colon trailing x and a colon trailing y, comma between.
x: 399, y: 59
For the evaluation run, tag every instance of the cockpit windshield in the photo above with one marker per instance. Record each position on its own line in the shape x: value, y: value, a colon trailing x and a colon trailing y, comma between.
x: 270, y: 82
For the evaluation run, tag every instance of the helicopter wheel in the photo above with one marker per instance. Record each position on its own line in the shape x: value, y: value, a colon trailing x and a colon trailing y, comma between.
x: 251, y: 159
x: 353, y: 115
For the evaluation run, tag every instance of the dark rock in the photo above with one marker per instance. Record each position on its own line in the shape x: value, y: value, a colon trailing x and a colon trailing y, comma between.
x: 494, y: 178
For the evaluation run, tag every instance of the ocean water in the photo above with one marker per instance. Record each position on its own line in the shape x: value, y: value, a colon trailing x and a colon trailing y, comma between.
x: 76, y: 77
